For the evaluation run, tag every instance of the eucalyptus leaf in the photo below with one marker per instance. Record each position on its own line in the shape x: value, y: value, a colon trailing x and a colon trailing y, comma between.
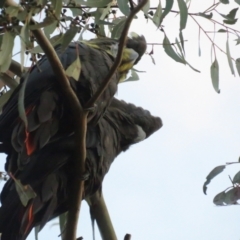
x: 134, y: 77
x: 230, y: 22
x: 13, y: 11
x: 46, y: 22
x: 117, y: 30
x: 21, y: 108
x: 6, y: 51
x: 57, y: 6
x: 57, y: 39
x: 124, y: 7
x: 170, y: 51
x: 146, y: 7
x: 74, y: 69
x: 68, y: 36
x: 229, y: 58
x: 237, y: 40
x: 208, y: 16
x: 25, y: 192
x: 36, y: 231
x: 183, y: 14
x: 219, y: 199
x: 224, y: 1
x: 167, y: 9
x: 62, y: 221
x: 236, y: 178
x: 157, y: 15
x: 212, y: 175
x: 94, y: 3
x: 49, y: 29
x: 232, y: 196
x: 238, y: 65
x: 215, y: 75
x: 222, y: 30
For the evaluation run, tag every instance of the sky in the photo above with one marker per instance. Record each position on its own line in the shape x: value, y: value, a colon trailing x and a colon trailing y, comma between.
x: 154, y: 190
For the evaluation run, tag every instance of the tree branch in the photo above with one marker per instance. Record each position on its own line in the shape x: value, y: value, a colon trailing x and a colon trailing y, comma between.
x: 100, y: 213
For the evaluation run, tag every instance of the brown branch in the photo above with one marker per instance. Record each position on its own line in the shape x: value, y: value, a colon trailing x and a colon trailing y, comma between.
x: 122, y: 43
x: 100, y: 212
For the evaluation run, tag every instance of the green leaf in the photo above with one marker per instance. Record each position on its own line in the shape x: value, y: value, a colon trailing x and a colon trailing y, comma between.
x: 237, y: 40
x: 36, y: 231
x: 6, y: 51
x: 94, y: 3
x: 152, y: 58
x: 208, y: 16
x: 215, y: 75
x: 21, y: 108
x: 229, y: 58
x: 25, y: 192
x: 117, y: 30
x: 74, y: 69
x: 157, y: 15
x: 4, y: 98
x: 49, y: 29
x: 211, y: 175
x: 7, y: 80
x: 170, y: 51
x: 62, y: 221
x: 237, y: 1
x: 232, y: 196
x: 146, y: 7
x: 231, y: 15
x: 194, y: 69
x: 183, y: 14
x: 12, y: 11
x: 24, y: 36
x: 219, y: 199
x: 167, y: 9
x: 57, y: 39
x: 236, y: 178
x: 222, y: 30
x: 182, y: 40
x: 22, y: 15
x: 238, y: 65
x: 124, y: 7
x: 224, y: 1
x: 134, y: 77
x: 68, y: 36
x: 47, y: 21
x: 76, y: 10
x: 57, y: 6
x: 230, y: 22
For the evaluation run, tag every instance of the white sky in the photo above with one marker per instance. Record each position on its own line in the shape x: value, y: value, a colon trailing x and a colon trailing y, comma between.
x: 154, y: 190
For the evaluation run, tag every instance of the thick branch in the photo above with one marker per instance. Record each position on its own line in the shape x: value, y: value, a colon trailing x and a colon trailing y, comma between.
x: 100, y: 213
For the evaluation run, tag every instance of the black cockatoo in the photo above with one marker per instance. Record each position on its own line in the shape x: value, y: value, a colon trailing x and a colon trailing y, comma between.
x: 39, y: 154
x: 47, y: 170
x: 44, y: 101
